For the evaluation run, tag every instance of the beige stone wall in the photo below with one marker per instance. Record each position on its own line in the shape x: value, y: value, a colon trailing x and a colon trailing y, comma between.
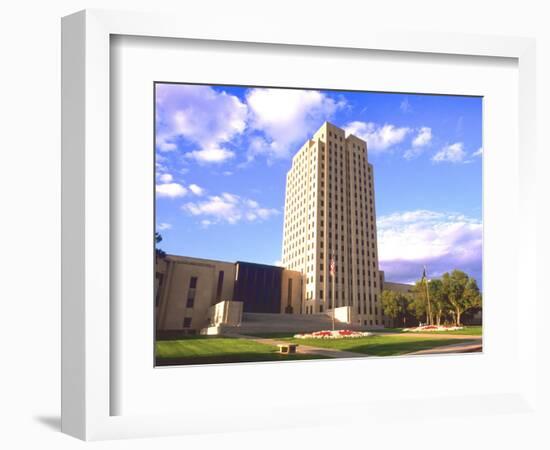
x: 225, y: 312
x: 174, y: 308
x: 172, y: 288
x: 344, y: 314
x: 295, y: 292
x: 330, y: 210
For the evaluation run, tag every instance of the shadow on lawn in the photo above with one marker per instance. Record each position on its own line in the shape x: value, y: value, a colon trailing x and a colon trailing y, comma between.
x: 233, y: 358
x: 402, y: 348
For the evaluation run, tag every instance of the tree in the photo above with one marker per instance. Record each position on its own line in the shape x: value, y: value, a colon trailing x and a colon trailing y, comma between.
x: 158, y: 239
x: 438, y: 300
x: 417, y: 305
x: 472, y: 294
x: 395, y: 305
x: 461, y: 292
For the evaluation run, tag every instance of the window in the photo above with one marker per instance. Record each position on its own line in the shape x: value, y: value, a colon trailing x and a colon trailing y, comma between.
x: 187, y: 322
x: 191, y: 292
x: 220, y: 286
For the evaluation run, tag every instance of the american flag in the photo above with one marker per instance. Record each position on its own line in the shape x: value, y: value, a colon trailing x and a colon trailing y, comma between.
x: 424, y: 277
x: 332, y: 266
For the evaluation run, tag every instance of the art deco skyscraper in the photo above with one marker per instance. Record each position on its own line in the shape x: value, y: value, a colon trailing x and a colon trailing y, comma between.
x: 330, y: 213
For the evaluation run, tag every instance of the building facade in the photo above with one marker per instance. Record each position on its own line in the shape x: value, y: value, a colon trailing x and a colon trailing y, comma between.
x: 330, y: 214
x: 267, y: 289
x: 186, y: 288
x: 191, y: 294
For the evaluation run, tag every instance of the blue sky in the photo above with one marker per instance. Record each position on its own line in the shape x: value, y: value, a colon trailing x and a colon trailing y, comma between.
x: 222, y: 154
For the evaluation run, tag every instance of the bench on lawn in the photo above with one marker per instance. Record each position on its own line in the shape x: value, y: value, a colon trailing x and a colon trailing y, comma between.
x: 287, y: 348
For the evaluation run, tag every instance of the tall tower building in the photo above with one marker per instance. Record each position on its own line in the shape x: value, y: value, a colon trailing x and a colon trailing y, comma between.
x: 330, y: 213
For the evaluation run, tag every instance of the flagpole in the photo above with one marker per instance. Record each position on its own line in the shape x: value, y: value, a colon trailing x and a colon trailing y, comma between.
x: 428, y: 298
x: 333, y: 304
x: 332, y: 272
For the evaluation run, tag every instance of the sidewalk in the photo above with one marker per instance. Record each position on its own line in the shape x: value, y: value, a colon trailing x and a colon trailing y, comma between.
x: 474, y: 344
x: 464, y: 347
x: 306, y: 349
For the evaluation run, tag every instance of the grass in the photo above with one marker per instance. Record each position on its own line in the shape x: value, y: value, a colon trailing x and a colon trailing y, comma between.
x: 470, y: 330
x: 380, y: 345
x: 216, y: 350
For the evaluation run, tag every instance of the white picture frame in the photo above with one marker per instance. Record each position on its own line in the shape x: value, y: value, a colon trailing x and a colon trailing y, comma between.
x: 87, y: 325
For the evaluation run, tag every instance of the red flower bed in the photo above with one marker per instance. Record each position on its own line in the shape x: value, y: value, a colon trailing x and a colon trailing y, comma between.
x: 336, y: 334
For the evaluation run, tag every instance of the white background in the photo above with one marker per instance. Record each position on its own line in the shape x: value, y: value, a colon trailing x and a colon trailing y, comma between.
x: 30, y: 81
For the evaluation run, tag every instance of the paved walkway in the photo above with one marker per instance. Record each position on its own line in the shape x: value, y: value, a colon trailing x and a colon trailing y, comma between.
x: 474, y: 344
x: 464, y: 347
x: 306, y: 349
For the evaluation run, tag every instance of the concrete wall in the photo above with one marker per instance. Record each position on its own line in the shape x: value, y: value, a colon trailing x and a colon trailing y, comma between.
x: 174, y: 291
x: 295, y: 279
x: 226, y: 312
x: 210, y: 305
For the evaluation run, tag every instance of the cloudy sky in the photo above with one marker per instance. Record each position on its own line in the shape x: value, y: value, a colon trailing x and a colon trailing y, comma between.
x: 222, y: 154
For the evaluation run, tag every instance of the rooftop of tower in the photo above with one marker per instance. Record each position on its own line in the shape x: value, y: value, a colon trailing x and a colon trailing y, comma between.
x: 320, y: 132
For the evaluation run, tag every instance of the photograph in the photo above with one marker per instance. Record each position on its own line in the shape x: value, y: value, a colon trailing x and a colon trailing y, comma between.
x: 301, y: 223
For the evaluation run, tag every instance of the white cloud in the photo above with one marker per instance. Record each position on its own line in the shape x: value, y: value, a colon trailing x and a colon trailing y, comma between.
x: 201, y: 115
x: 197, y: 190
x: 278, y: 263
x: 286, y: 117
x: 164, y: 226
x: 378, y: 137
x: 423, y: 138
x: 166, y: 178
x: 210, y: 155
x: 442, y: 241
x: 412, y: 153
x: 405, y: 105
x: 453, y: 153
x: 478, y: 152
x: 164, y: 146
x: 229, y: 208
x: 170, y: 190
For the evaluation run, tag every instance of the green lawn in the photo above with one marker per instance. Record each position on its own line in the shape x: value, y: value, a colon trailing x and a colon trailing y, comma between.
x: 381, y: 345
x: 213, y: 350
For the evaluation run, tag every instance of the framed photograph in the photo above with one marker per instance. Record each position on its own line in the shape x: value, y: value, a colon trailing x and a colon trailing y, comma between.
x: 252, y: 219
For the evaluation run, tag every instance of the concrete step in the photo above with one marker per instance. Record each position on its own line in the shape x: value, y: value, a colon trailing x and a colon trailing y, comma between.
x: 285, y: 318
x: 286, y: 323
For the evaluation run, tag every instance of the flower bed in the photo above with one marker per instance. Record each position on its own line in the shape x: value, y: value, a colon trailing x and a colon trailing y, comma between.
x: 431, y: 328
x: 336, y: 334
